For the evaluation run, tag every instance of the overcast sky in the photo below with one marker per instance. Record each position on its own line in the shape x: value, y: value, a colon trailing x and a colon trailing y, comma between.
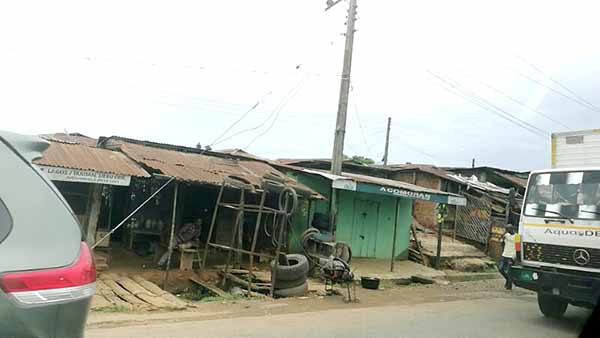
x: 183, y: 72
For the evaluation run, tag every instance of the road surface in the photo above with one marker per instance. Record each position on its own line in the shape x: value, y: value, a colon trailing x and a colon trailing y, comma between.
x: 495, y: 317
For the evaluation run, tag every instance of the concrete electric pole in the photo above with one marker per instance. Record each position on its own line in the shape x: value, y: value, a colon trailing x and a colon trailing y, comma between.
x: 340, y: 126
x: 387, y: 142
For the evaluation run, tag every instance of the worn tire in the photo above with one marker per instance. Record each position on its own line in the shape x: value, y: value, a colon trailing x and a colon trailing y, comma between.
x: 297, y: 291
x: 551, y: 306
x: 287, y: 284
x: 297, y: 268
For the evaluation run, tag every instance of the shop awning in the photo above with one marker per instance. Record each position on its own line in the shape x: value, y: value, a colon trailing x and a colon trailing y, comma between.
x: 74, y: 161
x: 383, y: 186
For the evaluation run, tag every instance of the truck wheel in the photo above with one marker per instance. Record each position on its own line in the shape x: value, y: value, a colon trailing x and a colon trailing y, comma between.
x: 551, y: 306
x: 293, y: 292
x: 297, y: 268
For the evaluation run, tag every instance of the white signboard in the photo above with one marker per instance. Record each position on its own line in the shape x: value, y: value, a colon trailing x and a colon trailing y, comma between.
x: 84, y: 176
x: 344, y: 185
x: 460, y: 201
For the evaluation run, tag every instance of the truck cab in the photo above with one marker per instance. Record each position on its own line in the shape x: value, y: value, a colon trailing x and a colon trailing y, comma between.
x: 559, y: 239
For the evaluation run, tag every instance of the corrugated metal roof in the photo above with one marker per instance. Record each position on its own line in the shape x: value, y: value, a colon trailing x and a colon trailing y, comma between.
x: 196, y: 166
x: 514, y: 179
x: 426, y: 168
x: 485, y: 186
x: 72, y: 138
x: 79, y: 156
x: 374, y: 180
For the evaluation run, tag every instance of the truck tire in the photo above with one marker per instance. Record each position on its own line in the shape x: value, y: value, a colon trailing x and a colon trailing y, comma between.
x: 292, y: 292
x: 297, y: 268
x: 551, y: 306
x: 286, y: 284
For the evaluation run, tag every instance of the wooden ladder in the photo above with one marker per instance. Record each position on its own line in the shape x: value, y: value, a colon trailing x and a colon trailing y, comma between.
x: 416, y: 255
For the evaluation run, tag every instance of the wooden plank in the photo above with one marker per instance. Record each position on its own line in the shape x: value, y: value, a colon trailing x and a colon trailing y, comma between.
x: 244, y: 283
x: 145, y: 295
x: 109, y: 295
x: 155, y: 289
x: 212, y: 288
x: 125, y: 295
x: 99, y: 302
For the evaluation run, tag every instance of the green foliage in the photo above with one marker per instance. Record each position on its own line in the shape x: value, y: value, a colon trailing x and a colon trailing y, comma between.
x: 361, y: 160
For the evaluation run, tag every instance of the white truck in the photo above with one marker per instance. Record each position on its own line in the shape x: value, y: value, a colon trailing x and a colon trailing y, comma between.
x: 559, y: 231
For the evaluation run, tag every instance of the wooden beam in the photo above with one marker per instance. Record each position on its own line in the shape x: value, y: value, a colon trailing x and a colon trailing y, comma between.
x: 95, y: 204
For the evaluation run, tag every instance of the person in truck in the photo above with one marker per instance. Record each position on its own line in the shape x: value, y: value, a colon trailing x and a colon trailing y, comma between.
x: 508, y: 256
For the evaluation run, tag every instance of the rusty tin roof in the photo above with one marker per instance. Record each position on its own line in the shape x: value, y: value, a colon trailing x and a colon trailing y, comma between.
x: 75, y: 155
x: 194, y: 165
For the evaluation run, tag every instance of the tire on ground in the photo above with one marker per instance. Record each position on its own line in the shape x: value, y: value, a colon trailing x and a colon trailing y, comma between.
x: 297, y: 291
x: 297, y: 268
x: 287, y: 284
x: 551, y: 306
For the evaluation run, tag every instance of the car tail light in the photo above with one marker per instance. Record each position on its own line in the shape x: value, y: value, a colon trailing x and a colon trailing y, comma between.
x: 40, y: 287
x: 517, y: 242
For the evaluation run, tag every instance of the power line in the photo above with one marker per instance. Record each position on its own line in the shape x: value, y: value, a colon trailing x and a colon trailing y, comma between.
x: 240, y: 119
x: 501, y: 111
x: 455, y: 89
x: 362, y: 131
x: 524, y: 105
x: 278, y: 109
x: 554, y: 90
x: 586, y: 102
x: 243, y: 131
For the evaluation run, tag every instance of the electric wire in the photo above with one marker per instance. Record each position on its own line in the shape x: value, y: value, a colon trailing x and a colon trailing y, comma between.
x: 572, y: 92
x: 456, y: 89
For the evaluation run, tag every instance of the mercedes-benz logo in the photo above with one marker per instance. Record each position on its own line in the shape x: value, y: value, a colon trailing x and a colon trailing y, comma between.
x: 581, y: 257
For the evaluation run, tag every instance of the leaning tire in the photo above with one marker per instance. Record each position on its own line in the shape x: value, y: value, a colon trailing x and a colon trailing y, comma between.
x: 297, y: 291
x: 287, y: 284
x: 551, y: 306
x: 297, y: 268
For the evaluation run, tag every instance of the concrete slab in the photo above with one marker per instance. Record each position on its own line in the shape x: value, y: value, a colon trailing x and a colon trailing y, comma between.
x: 380, y: 268
x: 450, y: 248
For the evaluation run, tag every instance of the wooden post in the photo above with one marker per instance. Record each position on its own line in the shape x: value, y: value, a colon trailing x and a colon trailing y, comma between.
x: 110, y: 209
x: 172, y: 236
x: 511, y: 197
x: 278, y: 248
x: 212, y: 226
x: 456, y: 215
x: 395, y: 233
x: 255, y: 237
x: 439, y: 245
x: 95, y: 204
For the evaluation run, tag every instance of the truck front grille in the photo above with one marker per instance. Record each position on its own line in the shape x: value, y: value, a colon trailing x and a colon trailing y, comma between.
x: 558, y: 254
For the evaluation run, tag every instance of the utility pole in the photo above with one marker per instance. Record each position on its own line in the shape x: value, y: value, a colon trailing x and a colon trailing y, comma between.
x: 387, y: 142
x: 340, y: 126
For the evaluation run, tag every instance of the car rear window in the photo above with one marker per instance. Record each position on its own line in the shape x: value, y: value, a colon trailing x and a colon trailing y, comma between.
x: 6, y: 222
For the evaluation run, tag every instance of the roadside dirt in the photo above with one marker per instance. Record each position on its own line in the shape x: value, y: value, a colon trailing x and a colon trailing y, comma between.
x: 387, y: 295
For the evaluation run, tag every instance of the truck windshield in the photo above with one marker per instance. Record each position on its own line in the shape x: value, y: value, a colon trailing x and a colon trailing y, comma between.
x: 564, y: 195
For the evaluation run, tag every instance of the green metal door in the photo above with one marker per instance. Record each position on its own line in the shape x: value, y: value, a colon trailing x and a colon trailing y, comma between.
x: 364, y: 228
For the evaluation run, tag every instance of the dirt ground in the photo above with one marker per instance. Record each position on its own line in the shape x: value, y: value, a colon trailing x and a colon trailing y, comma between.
x: 388, y: 294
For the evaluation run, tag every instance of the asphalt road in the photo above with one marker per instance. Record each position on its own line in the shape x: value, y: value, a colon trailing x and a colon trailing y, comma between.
x: 496, y: 317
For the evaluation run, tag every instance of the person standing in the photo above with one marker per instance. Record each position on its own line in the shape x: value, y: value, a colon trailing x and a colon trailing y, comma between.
x: 509, y: 254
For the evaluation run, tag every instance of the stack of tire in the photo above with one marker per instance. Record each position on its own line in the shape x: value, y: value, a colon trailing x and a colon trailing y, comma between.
x: 290, y: 279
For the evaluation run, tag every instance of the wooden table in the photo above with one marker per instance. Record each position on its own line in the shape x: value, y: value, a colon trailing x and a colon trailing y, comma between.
x: 135, y: 232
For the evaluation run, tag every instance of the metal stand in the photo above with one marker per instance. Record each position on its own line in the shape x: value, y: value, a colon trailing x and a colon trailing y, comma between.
x: 235, y: 245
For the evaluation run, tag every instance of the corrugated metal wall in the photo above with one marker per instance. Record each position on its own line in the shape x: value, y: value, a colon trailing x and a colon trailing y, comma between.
x: 576, y: 149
